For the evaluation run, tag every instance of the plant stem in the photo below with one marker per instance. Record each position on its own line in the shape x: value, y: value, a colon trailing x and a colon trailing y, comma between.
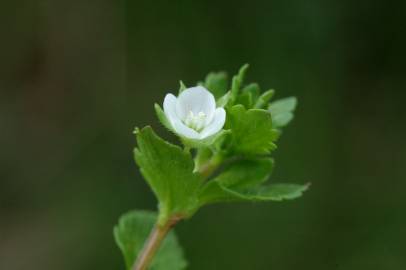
x: 186, y: 149
x: 153, y: 243
x: 207, y: 169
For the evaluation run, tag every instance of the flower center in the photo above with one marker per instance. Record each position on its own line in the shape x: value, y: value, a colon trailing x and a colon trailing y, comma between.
x: 195, y: 121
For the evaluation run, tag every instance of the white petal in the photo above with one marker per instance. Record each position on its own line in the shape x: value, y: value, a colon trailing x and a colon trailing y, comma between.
x: 170, y: 112
x: 170, y: 108
x: 185, y: 131
x: 216, y: 125
x: 196, y: 99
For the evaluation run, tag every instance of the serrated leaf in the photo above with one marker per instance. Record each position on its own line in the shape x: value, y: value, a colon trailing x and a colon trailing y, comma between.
x: 131, y: 233
x: 282, y: 111
x: 216, y: 83
x: 251, y: 130
x: 169, y: 172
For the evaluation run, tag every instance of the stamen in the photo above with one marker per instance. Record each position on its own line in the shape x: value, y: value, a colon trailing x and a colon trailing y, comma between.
x: 196, y: 122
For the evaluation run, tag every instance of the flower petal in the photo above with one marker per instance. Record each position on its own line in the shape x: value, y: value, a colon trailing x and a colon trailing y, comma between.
x: 170, y: 108
x: 170, y: 102
x: 216, y: 125
x: 196, y: 99
x: 185, y: 131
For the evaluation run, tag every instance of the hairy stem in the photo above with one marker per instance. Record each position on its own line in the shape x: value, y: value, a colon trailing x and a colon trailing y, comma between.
x: 153, y: 243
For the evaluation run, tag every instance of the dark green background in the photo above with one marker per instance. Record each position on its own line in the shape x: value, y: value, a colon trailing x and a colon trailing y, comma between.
x: 77, y: 76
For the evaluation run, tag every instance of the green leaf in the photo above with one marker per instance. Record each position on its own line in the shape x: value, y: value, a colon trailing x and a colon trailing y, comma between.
x: 252, y: 131
x: 264, y: 99
x: 169, y: 172
x: 279, y: 192
x: 217, y: 83
x: 220, y: 144
x: 217, y: 192
x: 245, y: 99
x: 237, y: 82
x: 224, y: 100
x: 246, y: 173
x: 132, y: 231
x: 239, y: 175
x: 252, y: 88
x: 282, y: 111
x: 249, y: 95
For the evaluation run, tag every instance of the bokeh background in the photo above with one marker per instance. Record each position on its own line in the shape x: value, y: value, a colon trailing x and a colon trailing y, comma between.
x: 77, y: 76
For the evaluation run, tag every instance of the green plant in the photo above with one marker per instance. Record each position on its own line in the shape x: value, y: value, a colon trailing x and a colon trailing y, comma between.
x: 228, y: 135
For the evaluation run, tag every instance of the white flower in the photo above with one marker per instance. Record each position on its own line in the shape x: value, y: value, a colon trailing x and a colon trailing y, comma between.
x: 193, y: 113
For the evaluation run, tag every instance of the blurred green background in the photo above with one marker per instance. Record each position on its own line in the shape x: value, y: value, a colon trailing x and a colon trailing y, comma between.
x: 77, y: 76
